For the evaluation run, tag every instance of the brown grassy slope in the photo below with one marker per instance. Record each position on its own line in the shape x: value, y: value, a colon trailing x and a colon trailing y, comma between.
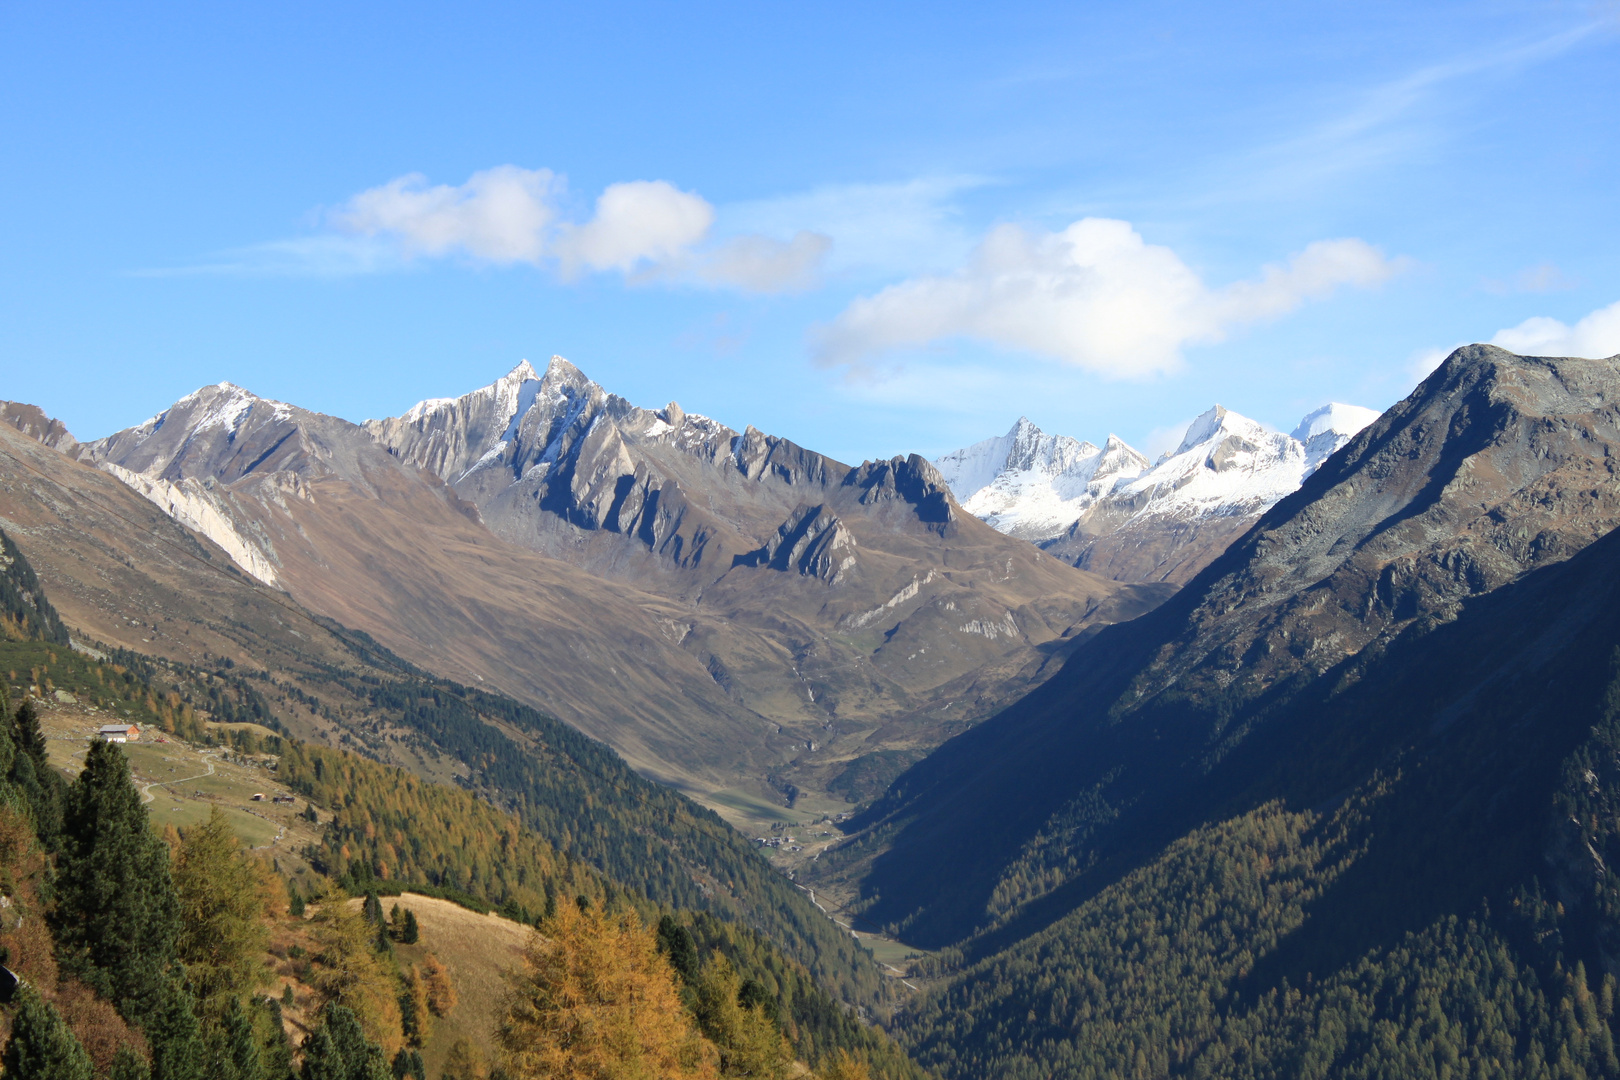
x: 709, y: 681
x: 478, y: 950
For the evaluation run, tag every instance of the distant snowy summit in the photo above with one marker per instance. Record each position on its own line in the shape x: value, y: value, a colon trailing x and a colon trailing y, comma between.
x: 1110, y: 510
x: 1029, y: 484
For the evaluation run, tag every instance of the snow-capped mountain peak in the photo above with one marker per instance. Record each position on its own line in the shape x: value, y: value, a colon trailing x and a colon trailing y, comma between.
x: 1056, y: 490
x: 1330, y: 427
x: 1031, y: 484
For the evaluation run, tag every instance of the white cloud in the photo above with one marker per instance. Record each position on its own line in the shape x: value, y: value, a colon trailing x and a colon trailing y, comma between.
x: 1162, y: 440
x: 500, y: 215
x: 1421, y: 364
x: 647, y: 230
x: 643, y: 221
x: 1094, y: 295
x: 1597, y: 336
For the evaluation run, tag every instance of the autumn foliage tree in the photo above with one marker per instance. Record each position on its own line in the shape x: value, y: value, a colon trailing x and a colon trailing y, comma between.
x: 441, y: 992
x: 350, y: 974
x: 223, y: 906
x: 750, y: 1042
x: 594, y: 1000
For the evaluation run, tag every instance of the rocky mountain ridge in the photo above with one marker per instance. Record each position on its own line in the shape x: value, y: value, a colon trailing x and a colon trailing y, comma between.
x: 1495, y: 467
x: 1109, y: 510
x: 764, y: 615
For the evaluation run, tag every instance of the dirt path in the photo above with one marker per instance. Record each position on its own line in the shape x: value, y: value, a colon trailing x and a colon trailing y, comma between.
x: 146, y: 792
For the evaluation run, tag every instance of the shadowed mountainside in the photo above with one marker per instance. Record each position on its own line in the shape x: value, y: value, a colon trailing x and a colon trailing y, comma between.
x: 1495, y: 466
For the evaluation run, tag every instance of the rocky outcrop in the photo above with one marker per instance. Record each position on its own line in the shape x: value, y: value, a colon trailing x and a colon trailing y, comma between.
x: 32, y: 422
x: 912, y: 480
x: 812, y: 542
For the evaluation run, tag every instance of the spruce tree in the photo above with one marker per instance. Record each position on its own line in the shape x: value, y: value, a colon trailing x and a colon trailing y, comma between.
x: 339, y: 1050
x: 409, y: 1063
x: 178, y: 1052
x: 117, y: 911
x: 241, y: 1045
x: 412, y: 933
x: 41, y: 1046
x: 26, y: 767
x: 675, y: 941
x: 278, y: 1050
x: 321, y: 1058
x: 30, y: 737
x: 129, y: 1065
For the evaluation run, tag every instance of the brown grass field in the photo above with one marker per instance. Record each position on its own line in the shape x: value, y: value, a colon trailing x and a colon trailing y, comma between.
x: 478, y: 950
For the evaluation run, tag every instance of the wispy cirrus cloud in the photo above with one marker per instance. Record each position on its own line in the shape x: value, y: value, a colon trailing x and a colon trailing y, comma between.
x: 1344, y: 134
x: 1094, y: 295
x: 644, y: 230
x: 1543, y: 277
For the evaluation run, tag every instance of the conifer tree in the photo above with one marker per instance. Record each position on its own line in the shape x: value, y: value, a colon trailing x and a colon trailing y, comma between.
x: 240, y: 1043
x: 409, y: 1063
x: 750, y: 1042
x: 441, y: 992
x: 118, y: 916
x: 26, y: 766
x: 178, y: 1052
x: 29, y: 735
x: 411, y: 933
x: 41, y: 1046
x: 128, y: 1065
x: 594, y: 1001
x: 351, y: 974
x: 222, y: 913
x: 415, y: 1018
x: 845, y: 1067
x: 339, y: 1050
x: 321, y: 1058
x: 676, y: 942
x: 278, y: 1051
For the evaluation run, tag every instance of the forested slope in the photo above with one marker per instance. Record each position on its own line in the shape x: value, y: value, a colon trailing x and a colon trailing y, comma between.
x: 579, y: 795
x: 1336, y: 809
x: 1410, y: 871
x: 165, y: 960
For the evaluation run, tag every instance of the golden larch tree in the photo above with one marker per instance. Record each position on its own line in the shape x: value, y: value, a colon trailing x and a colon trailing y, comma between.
x: 594, y: 1000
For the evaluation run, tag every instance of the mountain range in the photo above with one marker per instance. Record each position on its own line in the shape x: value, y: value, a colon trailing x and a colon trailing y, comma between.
x: 1111, y: 511
x: 734, y: 614
x: 1342, y: 759
x: 1346, y: 802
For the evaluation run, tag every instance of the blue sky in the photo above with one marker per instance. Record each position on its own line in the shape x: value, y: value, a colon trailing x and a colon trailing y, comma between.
x: 872, y: 229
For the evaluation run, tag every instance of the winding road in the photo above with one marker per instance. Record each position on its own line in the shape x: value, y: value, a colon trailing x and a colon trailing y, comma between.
x: 146, y: 792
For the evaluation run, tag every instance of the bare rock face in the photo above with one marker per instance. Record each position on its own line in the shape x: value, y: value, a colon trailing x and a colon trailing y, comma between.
x: 32, y: 422
x: 1496, y: 465
x: 683, y: 591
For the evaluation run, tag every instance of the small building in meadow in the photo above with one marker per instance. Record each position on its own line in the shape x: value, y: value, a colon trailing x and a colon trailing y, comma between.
x: 118, y: 733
